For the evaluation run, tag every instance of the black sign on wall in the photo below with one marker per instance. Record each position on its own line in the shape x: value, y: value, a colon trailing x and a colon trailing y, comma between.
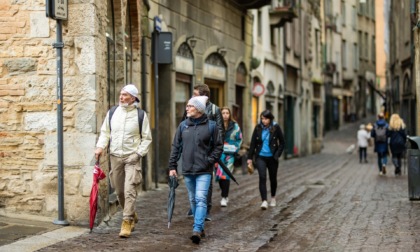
x: 164, y: 47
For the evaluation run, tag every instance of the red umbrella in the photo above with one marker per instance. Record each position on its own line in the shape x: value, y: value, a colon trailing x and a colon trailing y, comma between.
x: 98, y: 174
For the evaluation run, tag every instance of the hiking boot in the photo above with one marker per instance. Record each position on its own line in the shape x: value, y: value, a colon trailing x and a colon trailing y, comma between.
x: 224, y: 202
x: 135, y: 220
x: 196, y: 237
x: 126, y: 228
x: 202, y: 235
x: 273, y: 202
x: 264, y: 205
x: 384, y: 169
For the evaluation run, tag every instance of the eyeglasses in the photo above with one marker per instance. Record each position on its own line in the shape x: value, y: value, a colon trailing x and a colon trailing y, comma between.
x: 190, y: 106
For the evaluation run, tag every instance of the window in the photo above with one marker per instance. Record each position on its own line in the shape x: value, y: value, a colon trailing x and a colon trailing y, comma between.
x: 356, y: 57
x: 373, y: 49
x: 259, y: 25
x: 343, y: 13
x: 354, y: 17
x: 344, y: 54
x: 366, y: 46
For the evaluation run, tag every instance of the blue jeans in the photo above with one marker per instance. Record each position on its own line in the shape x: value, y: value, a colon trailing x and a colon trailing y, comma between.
x: 382, y: 159
x: 198, y: 188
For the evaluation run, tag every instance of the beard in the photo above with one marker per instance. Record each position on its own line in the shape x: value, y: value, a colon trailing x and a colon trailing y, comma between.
x: 124, y: 105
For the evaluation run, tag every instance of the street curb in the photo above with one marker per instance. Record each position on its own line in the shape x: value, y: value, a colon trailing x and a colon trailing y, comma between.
x: 44, y: 240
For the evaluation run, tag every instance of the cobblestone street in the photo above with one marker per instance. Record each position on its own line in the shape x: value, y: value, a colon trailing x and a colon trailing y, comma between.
x: 325, y: 202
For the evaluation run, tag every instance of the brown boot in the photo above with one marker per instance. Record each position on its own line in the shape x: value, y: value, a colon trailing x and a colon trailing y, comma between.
x: 133, y: 223
x: 126, y: 228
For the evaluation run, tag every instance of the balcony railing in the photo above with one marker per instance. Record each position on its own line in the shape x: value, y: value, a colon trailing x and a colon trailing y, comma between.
x: 282, y: 14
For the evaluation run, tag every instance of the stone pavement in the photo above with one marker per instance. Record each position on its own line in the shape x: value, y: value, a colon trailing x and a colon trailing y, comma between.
x: 325, y: 202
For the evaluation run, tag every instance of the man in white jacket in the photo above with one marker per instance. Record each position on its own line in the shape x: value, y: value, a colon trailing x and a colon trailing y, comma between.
x: 127, y: 146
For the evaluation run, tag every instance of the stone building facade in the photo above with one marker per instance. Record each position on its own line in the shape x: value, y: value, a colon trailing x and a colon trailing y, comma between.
x: 101, y: 54
x: 401, y: 96
x: 108, y: 44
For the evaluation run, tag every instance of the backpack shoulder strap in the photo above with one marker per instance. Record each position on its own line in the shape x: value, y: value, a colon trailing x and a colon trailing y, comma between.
x: 212, y: 125
x: 140, y: 113
x: 111, y: 113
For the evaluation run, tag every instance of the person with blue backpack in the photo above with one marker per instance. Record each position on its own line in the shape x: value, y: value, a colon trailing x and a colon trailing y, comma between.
x: 199, y: 144
x: 397, y: 140
x: 381, y: 142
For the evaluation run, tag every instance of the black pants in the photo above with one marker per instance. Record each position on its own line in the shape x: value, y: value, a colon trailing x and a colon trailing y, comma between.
x: 210, y: 193
x: 224, y: 186
x: 362, y: 153
x: 396, y: 159
x: 262, y: 164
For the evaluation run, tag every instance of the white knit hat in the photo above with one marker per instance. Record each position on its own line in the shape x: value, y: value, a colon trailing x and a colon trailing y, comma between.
x: 199, y: 102
x: 132, y: 90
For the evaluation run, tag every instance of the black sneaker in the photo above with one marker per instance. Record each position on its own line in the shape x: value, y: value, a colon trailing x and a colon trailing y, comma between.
x: 208, y: 218
x: 196, y: 237
x: 190, y: 214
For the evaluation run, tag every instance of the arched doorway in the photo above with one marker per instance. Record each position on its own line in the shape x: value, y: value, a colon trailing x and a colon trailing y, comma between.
x: 215, y: 72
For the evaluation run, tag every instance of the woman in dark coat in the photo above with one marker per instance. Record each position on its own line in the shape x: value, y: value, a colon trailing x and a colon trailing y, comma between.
x: 267, y: 144
x: 397, y: 139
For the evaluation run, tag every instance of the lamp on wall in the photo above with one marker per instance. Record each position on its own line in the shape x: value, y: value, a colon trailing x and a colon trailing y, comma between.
x: 192, y: 41
x: 222, y: 51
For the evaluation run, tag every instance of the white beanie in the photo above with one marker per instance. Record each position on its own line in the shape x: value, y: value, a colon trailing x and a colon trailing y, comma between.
x: 199, y: 102
x: 132, y: 90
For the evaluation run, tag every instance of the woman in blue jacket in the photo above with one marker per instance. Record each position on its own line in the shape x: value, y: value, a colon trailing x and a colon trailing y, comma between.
x: 267, y: 144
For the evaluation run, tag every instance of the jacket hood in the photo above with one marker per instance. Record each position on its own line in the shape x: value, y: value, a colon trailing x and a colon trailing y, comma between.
x: 381, y: 122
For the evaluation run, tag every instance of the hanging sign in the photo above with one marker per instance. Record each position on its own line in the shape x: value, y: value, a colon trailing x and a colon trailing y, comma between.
x: 57, y: 9
x: 258, y: 89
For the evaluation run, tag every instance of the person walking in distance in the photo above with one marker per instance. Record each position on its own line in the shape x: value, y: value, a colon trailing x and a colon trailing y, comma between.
x: 362, y: 141
x: 213, y: 113
x: 232, y: 144
x: 381, y: 145
x: 397, y: 140
x: 127, y: 145
x: 267, y: 144
x: 199, y: 144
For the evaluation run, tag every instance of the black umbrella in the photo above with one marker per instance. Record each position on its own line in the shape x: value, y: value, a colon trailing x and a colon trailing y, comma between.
x: 173, y: 184
x: 226, y: 170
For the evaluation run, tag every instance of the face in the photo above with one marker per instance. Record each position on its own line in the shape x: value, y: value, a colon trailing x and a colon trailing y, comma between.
x: 126, y: 98
x: 265, y: 121
x: 225, y: 115
x: 192, y: 111
x: 196, y: 93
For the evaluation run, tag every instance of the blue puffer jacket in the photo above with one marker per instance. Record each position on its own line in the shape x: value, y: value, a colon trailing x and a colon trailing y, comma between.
x: 380, y: 147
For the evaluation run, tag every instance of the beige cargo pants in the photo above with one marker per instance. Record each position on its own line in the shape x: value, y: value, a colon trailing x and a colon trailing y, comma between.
x: 125, y: 178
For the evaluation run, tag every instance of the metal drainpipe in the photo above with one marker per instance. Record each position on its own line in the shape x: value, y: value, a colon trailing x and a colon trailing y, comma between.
x: 143, y: 100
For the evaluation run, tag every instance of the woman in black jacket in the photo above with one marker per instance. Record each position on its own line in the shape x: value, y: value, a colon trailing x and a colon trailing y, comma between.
x: 267, y: 144
x: 397, y: 139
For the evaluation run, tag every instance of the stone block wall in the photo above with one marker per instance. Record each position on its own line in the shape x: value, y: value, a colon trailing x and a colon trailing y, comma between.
x: 28, y: 110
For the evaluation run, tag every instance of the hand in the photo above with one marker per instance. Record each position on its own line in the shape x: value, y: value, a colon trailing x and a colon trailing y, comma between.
x: 98, y: 153
x: 249, y: 161
x: 173, y: 173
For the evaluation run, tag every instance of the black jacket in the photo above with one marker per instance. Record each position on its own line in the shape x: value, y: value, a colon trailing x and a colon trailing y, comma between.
x: 397, y: 140
x: 194, y: 144
x: 276, y: 141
